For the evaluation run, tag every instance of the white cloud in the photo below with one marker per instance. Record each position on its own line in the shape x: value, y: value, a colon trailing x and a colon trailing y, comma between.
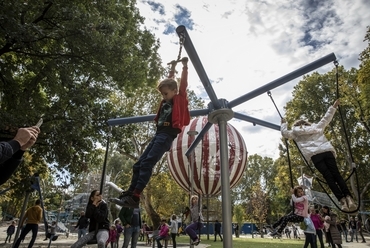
x: 244, y: 45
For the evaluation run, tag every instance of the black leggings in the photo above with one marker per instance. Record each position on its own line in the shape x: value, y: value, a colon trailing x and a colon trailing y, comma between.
x: 285, y: 220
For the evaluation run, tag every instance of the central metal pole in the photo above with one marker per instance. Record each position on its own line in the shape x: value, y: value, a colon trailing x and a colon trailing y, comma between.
x: 225, y: 184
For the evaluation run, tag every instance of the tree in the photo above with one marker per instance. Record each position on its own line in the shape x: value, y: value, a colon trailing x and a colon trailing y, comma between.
x: 63, y: 60
x: 258, y: 206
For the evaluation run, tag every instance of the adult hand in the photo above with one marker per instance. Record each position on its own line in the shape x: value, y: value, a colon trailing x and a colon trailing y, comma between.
x: 35, y: 132
x: 26, y: 137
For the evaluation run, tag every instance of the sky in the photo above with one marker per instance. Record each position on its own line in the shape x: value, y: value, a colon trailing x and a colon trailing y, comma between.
x: 244, y: 45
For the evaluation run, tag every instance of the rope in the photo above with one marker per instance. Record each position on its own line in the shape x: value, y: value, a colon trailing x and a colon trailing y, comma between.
x: 354, y: 167
x: 181, y: 42
x: 286, y: 145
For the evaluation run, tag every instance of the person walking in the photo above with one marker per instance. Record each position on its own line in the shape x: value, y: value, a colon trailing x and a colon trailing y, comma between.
x: 318, y: 223
x: 359, y: 229
x: 10, y: 231
x: 32, y: 217
x: 343, y: 223
x: 82, y: 225
x: 353, y: 228
x: 217, y: 230
x: 174, y: 229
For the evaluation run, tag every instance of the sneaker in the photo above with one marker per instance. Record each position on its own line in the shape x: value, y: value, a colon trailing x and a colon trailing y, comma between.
x: 130, y: 202
x: 275, y: 234
x: 344, y: 207
x: 195, y: 242
x: 352, y: 206
x: 125, y: 194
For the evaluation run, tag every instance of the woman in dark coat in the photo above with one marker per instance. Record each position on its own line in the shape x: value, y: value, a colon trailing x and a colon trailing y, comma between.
x: 332, y: 235
x: 97, y: 212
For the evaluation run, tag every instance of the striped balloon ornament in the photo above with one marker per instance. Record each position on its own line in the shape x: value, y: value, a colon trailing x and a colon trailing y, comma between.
x: 206, y: 160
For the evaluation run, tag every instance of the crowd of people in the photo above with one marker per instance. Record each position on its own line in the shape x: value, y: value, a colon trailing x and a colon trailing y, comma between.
x: 322, y: 226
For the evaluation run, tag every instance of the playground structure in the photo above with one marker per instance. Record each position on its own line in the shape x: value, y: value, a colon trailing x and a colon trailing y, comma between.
x: 220, y: 111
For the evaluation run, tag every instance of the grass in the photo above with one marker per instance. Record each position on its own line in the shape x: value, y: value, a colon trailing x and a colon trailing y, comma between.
x: 248, y: 241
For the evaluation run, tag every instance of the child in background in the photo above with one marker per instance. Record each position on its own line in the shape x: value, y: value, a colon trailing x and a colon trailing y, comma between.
x: 196, y: 218
x: 300, y: 202
x: 326, y: 224
x: 112, y: 236
x: 52, y: 231
x: 10, y: 231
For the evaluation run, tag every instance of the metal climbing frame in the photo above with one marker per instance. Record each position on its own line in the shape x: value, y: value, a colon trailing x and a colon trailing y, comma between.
x: 219, y: 112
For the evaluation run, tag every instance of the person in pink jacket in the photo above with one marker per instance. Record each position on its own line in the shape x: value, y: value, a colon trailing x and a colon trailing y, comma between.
x: 300, y: 203
x: 163, y: 233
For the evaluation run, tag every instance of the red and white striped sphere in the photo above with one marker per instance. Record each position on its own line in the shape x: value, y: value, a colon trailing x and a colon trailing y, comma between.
x: 207, y: 165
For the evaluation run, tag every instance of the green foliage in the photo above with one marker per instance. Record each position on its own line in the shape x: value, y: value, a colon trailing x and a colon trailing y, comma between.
x: 63, y: 60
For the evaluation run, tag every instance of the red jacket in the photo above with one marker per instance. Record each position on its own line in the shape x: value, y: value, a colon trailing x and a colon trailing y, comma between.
x: 180, y: 110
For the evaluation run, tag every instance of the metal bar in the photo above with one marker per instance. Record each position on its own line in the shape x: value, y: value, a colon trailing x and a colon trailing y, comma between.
x: 198, y: 138
x: 24, y: 208
x: 284, y: 79
x: 129, y: 120
x: 144, y: 118
x: 102, y: 180
x: 193, y: 56
x: 225, y: 185
x: 256, y: 121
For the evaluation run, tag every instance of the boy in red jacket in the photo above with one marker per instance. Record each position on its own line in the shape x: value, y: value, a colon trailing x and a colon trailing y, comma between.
x: 173, y: 114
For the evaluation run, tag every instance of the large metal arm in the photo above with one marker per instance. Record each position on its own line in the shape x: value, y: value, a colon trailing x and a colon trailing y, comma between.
x: 284, y: 79
x: 256, y: 121
x: 198, y: 138
x: 236, y: 115
x: 144, y: 118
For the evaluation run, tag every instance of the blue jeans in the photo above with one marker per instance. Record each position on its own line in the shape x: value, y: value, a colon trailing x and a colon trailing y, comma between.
x: 354, y: 234
x: 132, y: 233
x: 81, y: 232
x: 29, y: 227
x: 142, y: 169
x: 101, y: 238
x: 310, y: 240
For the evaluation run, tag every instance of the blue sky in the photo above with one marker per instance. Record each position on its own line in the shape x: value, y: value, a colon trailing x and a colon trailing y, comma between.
x: 244, y: 45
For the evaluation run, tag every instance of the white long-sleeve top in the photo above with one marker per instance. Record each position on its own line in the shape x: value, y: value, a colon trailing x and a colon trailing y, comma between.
x: 311, y: 139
